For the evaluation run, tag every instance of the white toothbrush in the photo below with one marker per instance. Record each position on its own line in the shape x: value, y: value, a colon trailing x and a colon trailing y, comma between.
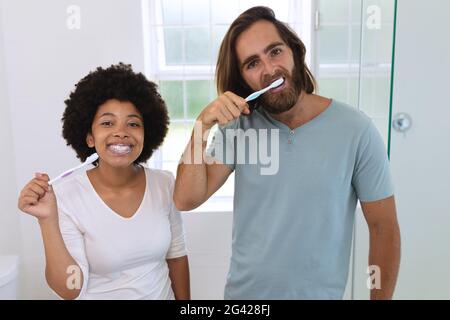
x: 88, y: 161
x: 256, y: 94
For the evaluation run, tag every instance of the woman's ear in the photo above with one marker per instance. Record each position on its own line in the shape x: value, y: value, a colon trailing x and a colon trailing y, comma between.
x: 90, y: 140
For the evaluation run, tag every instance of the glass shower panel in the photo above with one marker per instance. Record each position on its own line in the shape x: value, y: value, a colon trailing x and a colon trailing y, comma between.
x: 354, y: 46
x: 377, y: 45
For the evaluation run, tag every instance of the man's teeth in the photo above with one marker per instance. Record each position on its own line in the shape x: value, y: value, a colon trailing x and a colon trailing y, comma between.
x: 284, y: 80
x: 281, y: 83
x: 120, y: 148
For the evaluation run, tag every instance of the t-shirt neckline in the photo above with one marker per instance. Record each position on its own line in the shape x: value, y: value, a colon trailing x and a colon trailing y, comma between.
x: 99, y: 198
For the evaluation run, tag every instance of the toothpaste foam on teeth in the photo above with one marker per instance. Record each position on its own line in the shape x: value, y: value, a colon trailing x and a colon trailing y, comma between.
x: 121, y: 149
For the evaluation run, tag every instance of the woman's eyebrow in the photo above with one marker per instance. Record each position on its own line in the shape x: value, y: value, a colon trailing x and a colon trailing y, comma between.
x: 129, y: 116
x: 107, y: 114
x: 134, y: 116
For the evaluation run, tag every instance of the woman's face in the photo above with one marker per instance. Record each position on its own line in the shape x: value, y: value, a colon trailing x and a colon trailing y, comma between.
x: 117, y: 133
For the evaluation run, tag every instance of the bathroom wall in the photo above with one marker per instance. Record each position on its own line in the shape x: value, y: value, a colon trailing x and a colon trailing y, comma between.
x: 419, y: 156
x: 9, y: 222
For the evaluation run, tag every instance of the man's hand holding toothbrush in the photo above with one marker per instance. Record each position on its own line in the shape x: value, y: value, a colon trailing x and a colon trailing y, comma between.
x: 230, y: 106
x: 223, y: 110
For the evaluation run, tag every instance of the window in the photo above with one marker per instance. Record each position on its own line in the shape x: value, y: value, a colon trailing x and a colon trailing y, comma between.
x: 354, y: 54
x: 181, y: 41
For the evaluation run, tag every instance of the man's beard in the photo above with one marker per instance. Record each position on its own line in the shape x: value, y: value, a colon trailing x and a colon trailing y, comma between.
x: 279, y: 102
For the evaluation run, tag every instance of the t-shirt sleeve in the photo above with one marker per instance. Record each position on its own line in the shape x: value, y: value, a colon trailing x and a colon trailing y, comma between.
x: 222, y: 146
x: 372, y: 179
x: 178, y: 238
x: 74, y: 241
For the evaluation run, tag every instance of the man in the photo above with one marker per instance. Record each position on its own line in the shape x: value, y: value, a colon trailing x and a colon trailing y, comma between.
x: 292, y: 230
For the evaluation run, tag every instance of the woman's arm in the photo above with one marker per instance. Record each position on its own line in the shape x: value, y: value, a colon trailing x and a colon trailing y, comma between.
x: 179, y: 275
x: 38, y: 199
x: 62, y: 272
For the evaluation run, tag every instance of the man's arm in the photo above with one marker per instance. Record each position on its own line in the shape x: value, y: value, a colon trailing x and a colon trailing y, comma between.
x: 179, y: 276
x: 384, y: 252
x: 196, y: 180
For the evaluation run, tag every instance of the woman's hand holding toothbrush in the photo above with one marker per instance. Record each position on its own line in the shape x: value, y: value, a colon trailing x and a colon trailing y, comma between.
x: 38, y: 199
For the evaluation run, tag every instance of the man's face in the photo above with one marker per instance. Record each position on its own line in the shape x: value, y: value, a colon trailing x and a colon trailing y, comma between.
x: 263, y: 58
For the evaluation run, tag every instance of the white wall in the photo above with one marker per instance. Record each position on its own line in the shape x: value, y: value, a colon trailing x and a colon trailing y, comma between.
x: 419, y: 157
x: 9, y: 222
x: 209, y: 244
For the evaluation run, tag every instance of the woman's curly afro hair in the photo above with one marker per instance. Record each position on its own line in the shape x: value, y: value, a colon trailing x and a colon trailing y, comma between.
x: 121, y: 83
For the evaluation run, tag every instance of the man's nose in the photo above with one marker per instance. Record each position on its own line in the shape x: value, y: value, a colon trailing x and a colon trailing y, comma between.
x: 269, y: 68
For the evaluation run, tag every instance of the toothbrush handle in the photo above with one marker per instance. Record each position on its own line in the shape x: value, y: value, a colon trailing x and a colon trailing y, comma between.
x: 256, y: 94
x: 253, y: 96
x: 65, y: 174
x: 62, y: 175
x: 88, y: 161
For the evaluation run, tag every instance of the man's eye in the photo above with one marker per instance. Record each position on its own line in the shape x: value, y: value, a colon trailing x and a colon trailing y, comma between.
x: 252, y: 64
x: 276, y: 51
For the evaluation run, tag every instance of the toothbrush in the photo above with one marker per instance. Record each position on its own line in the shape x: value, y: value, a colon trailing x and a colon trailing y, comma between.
x: 66, y: 173
x: 256, y: 94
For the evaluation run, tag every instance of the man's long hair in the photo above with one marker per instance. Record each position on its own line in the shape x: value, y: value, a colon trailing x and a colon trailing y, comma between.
x: 228, y: 74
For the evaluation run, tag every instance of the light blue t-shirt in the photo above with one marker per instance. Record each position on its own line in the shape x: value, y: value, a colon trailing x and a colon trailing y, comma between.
x: 293, y: 222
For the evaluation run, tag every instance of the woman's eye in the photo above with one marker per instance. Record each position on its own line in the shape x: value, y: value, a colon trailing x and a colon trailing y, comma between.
x: 106, y: 123
x: 134, y: 124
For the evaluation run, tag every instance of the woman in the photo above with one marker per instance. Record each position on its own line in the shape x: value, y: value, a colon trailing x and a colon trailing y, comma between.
x: 112, y: 232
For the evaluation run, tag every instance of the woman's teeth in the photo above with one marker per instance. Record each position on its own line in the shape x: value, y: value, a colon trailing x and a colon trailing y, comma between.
x: 120, y: 149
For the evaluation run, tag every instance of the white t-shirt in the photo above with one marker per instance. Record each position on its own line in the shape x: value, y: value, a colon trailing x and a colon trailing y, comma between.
x: 122, y: 258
